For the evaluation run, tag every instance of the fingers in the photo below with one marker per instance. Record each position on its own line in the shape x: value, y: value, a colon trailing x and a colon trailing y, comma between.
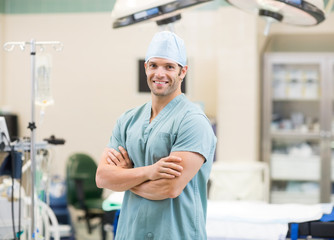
x: 110, y: 162
x: 125, y: 156
x: 172, y: 162
x: 172, y: 159
x: 172, y: 168
x: 170, y: 172
x: 168, y: 167
x: 105, y: 155
x: 163, y: 172
x: 116, y: 158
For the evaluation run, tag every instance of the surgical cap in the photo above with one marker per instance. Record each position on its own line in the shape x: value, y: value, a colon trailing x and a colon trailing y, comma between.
x: 167, y: 45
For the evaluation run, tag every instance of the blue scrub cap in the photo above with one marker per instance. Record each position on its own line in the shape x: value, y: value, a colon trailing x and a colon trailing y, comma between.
x: 168, y: 45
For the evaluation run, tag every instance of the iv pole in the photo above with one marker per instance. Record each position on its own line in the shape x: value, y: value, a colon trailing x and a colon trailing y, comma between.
x: 9, y: 46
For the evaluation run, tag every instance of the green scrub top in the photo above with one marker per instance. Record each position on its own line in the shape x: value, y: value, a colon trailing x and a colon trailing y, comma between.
x: 180, y: 126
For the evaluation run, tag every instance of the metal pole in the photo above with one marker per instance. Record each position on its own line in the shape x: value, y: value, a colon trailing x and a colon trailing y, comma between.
x: 32, y: 136
x: 9, y: 46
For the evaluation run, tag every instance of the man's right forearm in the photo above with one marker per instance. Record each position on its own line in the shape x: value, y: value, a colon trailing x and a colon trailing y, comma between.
x: 119, y: 179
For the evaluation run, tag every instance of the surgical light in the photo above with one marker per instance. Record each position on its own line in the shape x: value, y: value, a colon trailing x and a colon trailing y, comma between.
x: 128, y: 12
x: 295, y: 12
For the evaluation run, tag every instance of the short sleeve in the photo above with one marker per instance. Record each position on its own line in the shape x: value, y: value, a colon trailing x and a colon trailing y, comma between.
x: 116, y: 137
x: 195, y: 134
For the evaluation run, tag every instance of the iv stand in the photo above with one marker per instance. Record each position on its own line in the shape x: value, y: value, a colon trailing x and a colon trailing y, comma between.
x: 9, y: 46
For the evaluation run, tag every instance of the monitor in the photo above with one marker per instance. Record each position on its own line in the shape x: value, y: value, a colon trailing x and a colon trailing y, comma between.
x: 4, y: 136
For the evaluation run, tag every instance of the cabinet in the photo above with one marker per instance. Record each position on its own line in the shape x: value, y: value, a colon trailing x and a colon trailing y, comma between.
x: 297, y: 138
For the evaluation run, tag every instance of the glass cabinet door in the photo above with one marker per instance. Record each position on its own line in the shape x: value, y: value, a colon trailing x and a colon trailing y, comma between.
x: 294, y: 133
x: 330, y: 171
x: 298, y: 126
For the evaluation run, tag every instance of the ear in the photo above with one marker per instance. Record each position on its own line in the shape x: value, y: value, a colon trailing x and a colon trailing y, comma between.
x: 184, y: 72
x: 145, y: 66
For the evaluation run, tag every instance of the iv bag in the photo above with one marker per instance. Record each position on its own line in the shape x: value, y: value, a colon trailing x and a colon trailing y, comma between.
x: 43, y: 96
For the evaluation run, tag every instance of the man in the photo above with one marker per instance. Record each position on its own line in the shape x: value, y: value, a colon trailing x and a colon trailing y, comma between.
x: 161, y: 154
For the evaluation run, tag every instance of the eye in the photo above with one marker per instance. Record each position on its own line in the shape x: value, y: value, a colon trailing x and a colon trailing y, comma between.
x: 170, y: 67
x: 152, y: 65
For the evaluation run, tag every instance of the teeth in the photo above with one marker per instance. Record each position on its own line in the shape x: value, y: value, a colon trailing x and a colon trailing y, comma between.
x: 159, y: 82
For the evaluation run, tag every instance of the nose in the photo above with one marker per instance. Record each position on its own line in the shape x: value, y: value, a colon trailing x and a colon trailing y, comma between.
x: 160, y: 72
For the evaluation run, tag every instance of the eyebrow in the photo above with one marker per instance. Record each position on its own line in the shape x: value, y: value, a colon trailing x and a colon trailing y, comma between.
x: 167, y: 63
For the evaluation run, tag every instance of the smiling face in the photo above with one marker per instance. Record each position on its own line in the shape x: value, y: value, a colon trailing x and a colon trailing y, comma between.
x: 164, y: 77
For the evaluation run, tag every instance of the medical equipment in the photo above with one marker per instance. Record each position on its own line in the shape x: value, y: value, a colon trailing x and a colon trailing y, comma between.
x: 43, y: 81
x: 21, y: 151
x: 295, y: 12
x: 128, y: 12
x: 12, y: 124
x: 48, y: 225
x: 249, y: 220
x: 323, y: 228
x: 239, y: 180
x: 112, y: 207
x: 6, y: 221
x: 12, y: 165
x: 238, y: 205
x: 9, y: 46
x: 4, y: 136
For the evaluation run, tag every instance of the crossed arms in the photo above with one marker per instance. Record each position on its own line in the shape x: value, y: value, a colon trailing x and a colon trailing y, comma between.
x: 164, y: 179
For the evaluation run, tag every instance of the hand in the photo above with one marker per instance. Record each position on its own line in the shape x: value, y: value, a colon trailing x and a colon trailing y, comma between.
x: 120, y: 159
x: 168, y: 167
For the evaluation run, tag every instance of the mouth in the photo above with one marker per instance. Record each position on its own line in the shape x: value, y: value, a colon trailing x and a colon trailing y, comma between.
x: 160, y: 82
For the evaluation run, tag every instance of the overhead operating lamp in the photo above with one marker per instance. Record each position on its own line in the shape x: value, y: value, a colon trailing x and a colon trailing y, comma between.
x: 295, y: 12
x: 128, y: 12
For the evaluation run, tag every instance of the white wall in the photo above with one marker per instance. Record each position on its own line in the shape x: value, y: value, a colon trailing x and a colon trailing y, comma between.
x: 1, y: 61
x: 238, y: 87
x: 200, y: 30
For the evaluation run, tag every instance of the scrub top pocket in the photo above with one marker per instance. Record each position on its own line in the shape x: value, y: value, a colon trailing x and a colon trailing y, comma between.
x: 161, y: 145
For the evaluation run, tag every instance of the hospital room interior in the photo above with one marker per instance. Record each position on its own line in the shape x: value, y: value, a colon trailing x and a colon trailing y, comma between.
x: 261, y: 70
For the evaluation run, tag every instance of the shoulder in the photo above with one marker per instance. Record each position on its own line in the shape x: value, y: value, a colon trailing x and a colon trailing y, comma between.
x: 191, y: 120
x: 192, y: 112
x: 132, y: 113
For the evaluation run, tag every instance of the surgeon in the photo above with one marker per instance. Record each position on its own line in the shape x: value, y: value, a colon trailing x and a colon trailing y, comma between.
x: 161, y: 154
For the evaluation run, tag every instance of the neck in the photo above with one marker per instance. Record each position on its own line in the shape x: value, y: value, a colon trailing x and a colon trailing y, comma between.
x: 159, y: 102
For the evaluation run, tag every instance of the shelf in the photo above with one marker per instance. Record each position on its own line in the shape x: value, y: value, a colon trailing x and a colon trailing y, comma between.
x: 296, y: 99
x: 279, y: 197
x: 291, y: 168
x: 295, y: 134
x: 295, y: 168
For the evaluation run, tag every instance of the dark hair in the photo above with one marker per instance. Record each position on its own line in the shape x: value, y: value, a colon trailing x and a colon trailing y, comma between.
x: 180, y: 69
